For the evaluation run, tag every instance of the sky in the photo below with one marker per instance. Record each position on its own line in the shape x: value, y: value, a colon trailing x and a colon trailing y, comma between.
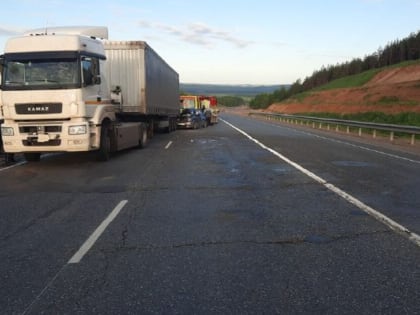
x: 258, y: 42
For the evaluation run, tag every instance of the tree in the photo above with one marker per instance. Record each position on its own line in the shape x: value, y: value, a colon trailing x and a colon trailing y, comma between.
x: 231, y: 101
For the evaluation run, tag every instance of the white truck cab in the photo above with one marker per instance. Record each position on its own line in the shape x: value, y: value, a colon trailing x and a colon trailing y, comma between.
x: 56, y: 96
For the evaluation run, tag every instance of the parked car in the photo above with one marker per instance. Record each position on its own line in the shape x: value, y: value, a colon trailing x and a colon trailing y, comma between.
x: 191, y: 118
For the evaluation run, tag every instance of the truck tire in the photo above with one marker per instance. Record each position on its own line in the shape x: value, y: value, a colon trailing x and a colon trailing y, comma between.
x: 32, y: 156
x: 104, y: 152
x: 143, y: 137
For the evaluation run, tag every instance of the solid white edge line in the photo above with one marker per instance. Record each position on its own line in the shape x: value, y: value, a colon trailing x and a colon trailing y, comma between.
x: 96, y: 234
x: 12, y: 166
x: 415, y: 238
x: 168, y: 145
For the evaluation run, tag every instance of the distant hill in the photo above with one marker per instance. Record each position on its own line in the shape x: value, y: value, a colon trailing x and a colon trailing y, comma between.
x: 228, y: 90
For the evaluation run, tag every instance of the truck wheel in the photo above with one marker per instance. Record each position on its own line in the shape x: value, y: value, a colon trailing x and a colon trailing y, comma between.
x: 142, y: 137
x: 104, y: 151
x: 32, y: 157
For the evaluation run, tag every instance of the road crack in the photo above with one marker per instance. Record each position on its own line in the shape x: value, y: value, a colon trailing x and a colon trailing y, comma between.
x: 316, y: 239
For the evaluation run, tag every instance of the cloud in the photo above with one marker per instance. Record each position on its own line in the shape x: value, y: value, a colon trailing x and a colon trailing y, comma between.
x: 198, y: 34
x: 145, y: 24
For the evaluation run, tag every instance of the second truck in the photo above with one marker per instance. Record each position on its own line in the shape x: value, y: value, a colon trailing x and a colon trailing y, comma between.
x: 207, y: 104
x: 69, y: 89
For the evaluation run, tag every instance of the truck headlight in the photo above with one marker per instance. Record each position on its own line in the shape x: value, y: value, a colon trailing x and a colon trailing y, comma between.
x: 7, y: 131
x: 77, y: 130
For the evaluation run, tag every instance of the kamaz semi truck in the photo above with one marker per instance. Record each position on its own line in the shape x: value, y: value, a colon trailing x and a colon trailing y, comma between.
x: 69, y: 89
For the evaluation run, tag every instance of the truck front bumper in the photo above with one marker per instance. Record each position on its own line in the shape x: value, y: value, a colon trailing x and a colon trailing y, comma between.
x: 48, y: 137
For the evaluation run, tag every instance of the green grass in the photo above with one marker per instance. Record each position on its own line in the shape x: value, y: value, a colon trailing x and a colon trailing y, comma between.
x: 350, y: 81
x: 360, y: 79
x: 403, y: 64
x: 299, y: 97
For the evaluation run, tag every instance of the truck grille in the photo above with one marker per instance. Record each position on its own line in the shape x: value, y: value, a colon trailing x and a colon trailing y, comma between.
x: 34, y: 143
x: 36, y: 129
x: 43, y: 108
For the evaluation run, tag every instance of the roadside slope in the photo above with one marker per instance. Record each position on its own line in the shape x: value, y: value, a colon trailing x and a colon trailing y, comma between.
x: 391, y: 91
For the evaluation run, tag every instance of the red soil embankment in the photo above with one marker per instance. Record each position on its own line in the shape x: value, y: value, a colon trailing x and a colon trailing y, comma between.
x: 390, y: 91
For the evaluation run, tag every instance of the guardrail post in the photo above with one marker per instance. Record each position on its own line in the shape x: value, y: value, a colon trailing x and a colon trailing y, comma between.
x: 360, y: 132
x: 348, y: 129
x: 413, y: 139
x: 391, y: 136
x: 374, y: 133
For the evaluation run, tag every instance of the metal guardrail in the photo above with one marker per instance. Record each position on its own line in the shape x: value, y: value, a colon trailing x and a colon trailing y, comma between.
x: 317, y: 122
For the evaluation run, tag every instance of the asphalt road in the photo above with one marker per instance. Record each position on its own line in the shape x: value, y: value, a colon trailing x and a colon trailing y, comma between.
x: 258, y: 219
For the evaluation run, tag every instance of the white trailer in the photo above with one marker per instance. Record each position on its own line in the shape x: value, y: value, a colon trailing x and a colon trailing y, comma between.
x: 69, y: 89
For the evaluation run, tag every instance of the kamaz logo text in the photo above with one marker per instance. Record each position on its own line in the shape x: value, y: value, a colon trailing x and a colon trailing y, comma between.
x: 37, y: 109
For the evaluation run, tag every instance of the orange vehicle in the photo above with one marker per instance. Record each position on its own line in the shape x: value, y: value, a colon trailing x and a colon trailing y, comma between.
x: 189, y: 101
x: 208, y: 104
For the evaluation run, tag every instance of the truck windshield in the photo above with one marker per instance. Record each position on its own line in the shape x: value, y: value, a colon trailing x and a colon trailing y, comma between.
x: 37, y: 74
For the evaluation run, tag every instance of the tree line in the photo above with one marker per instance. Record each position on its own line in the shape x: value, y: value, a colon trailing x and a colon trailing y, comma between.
x: 394, y: 52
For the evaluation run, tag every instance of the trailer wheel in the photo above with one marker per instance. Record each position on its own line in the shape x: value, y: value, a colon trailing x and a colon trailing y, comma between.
x: 32, y: 156
x: 142, y: 137
x: 104, y: 151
